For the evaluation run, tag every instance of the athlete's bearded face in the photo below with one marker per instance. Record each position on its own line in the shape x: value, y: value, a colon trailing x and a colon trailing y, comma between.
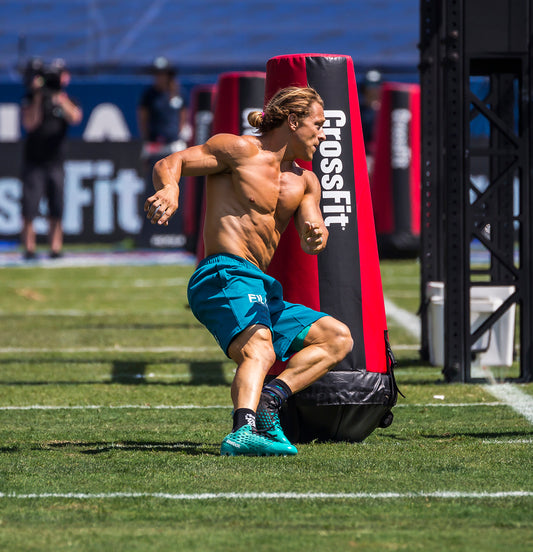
x: 309, y: 132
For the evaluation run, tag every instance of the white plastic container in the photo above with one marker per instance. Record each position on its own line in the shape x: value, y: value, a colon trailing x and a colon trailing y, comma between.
x: 495, y: 346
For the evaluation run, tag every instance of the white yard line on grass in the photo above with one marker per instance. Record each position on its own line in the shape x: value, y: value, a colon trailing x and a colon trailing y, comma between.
x: 507, y: 441
x: 117, y: 407
x: 177, y: 349
x: 277, y: 496
x: 408, y: 320
x: 84, y: 313
x: 196, y: 406
x: 450, y: 405
x: 515, y: 398
x: 138, y: 283
x: 116, y: 349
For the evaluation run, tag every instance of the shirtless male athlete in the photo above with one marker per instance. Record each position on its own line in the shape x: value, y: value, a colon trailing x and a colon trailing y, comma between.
x: 254, y: 188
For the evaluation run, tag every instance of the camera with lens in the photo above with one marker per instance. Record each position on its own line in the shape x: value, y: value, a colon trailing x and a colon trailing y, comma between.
x: 49, y: 75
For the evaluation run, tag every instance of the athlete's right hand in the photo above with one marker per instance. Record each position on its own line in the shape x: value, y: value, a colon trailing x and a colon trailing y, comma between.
x: 162, y: 205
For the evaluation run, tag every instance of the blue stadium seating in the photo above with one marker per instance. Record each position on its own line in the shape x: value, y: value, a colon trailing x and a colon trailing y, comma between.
x: 206, y: 33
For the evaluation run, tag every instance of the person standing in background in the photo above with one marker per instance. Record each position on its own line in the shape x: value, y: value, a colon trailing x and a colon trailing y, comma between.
x: 370, y: 104
x: 163, y: 120
x: 162, y: 115
x: 47, y: 113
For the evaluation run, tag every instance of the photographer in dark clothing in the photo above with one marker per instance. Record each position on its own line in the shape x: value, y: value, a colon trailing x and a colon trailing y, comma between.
x: 47, y: 112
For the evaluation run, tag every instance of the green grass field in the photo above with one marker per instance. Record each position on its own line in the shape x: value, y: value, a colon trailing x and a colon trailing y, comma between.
x: 114, y: 401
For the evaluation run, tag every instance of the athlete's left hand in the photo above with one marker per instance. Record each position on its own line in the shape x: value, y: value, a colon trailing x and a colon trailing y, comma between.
x: 313, y: 239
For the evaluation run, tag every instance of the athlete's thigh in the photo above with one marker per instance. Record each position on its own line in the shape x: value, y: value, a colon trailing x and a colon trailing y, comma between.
x: 228, y: 304
x: 324, y: 329
x: 288, y: 322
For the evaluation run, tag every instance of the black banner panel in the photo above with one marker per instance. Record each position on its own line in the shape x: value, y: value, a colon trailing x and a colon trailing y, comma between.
x: 339, y: 265
x: 104, y: 192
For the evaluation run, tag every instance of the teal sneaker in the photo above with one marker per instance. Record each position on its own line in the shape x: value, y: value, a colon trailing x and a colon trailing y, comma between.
x: 267, y: 421
x: 246, y: 442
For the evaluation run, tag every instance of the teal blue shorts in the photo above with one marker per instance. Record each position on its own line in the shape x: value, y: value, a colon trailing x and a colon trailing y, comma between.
x: 228, y: 294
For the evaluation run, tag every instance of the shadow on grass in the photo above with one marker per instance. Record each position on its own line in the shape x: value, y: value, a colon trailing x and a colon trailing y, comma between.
x: 139, y: 326
x: 8, y: 449
x: 99, y: 447
x: 127, y: 372
x: 82, y: 324
x: 412, y: 362
x: 202, y: 372
x: 425, y: 372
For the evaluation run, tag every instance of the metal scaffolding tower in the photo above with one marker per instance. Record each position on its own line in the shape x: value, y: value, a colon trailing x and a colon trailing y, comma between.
x: 477, y: 141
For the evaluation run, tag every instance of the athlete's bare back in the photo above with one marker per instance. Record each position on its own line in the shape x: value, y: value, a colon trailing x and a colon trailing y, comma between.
x: 254, y: 188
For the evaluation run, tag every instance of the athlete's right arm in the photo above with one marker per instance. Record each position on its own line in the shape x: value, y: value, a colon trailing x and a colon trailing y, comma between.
x: 215, y: 156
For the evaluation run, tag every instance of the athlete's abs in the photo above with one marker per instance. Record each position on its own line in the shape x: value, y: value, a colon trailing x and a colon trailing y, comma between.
x: 243, y: 220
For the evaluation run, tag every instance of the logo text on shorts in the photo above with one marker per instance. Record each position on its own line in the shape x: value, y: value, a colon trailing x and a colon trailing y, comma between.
x: 336, y: 202
x: 256, y: 298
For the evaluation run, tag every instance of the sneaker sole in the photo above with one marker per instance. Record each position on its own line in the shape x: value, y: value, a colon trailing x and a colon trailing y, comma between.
x: 251, y: 454
x: 243, y: 442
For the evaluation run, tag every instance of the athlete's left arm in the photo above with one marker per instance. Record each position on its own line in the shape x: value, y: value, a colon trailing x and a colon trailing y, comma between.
x: 308, y: 217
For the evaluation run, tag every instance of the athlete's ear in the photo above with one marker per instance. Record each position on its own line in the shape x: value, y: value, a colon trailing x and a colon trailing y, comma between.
x: 293, y: 121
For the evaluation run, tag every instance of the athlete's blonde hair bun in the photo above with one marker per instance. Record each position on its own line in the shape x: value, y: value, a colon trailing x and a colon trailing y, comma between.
x: 255, y: 118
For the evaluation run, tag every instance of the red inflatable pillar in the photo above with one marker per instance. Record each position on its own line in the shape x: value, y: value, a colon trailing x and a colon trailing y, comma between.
x: 202, y: 100
x: 395, y: 182
x: 345, y: 279
x: 238, y: 93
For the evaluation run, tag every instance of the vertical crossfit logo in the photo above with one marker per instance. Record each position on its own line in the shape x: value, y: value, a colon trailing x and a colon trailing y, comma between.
x: 399, y: 145
x: 336, y: 202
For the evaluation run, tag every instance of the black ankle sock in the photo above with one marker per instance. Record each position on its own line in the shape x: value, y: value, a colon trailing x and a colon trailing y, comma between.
x: 277, y: 389
x: 243, y: 416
